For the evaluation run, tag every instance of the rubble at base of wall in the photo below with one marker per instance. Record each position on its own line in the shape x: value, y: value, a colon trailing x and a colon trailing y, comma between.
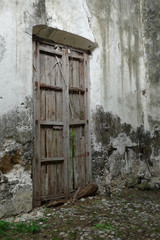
x: 15, y: 192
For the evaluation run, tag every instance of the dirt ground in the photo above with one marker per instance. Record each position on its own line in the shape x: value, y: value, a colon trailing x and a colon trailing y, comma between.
x: 130, y: 214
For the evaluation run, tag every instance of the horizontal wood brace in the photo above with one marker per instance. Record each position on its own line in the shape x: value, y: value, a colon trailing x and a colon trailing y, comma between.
x: 52, y: 197
x: 78, y: 122
x: 50, y: 87
x: 50, y: 50
x: 53, y: 160
x: 50, y: 123
x: 77, y: 90
x: 58, y: 127
x: 74, y: 55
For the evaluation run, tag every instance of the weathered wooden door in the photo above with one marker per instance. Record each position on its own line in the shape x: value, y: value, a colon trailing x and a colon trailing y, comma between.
x: 61, y: 162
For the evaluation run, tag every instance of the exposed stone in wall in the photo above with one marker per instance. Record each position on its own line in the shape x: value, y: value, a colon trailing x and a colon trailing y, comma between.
x: 126, y: 154
x: 15, y: 160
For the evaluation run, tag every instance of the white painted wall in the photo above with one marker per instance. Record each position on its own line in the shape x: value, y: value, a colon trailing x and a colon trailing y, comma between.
x: 116, y: 82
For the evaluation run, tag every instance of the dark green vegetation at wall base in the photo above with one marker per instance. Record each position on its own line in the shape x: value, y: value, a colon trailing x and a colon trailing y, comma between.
x: 9, y: 229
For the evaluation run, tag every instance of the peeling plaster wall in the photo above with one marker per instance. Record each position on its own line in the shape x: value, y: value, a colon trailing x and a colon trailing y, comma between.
x: 124, y: 73
x: 128, y: 36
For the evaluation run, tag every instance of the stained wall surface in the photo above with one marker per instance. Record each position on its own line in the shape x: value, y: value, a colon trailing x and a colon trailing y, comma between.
x: 125, y: 84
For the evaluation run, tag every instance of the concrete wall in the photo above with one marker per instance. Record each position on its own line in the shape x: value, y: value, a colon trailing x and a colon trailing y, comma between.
x: 125, y: 84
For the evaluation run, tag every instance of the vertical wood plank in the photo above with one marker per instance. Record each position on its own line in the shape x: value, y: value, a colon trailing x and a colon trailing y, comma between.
x: 36, y: 167
x: 81, y: 74
x: 70, y: 164
x: 74, y: 73
x: 43, y: 173
x: 88, y: 172
x: 43, y: 155
x: 50, y: 105
x: 59, y: 102
x: 70, y: 72
x: 42, y: 104
x: 82, y: 155
x: 52, y: 74
x: 77, y: 166
x: 65, y: 70
x: 59, y: 74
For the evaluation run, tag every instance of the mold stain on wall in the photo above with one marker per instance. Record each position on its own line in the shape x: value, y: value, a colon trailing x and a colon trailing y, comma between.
x: 125, y: 152
x: 151, y: 25
x: 2, y: 47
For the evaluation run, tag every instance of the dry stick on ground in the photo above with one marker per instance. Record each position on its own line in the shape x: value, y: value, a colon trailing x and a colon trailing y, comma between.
x: 89, y: 190
x: 75, y: 196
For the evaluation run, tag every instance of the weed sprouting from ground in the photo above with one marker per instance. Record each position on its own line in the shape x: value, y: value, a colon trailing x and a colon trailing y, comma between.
x: 104, y: 226
x: 7, y: 229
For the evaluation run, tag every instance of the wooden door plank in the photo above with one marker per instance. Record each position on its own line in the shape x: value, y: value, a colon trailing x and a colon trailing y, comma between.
x: 52, y: 65
x: 49, y: 49
x: 52, y: 159
x: 82, y: 74
x: 79, y: 173
x: 75, y: 74
x: 50, y: 87
x: 58, y: 70
x: 42, y: 105
x: 49, y: 146
x: 43, y: 68
x: 36, y: 145
x: 52, y: 197
x: 82, y: 156
x: 50, y: 105
x: 59, y: 115
x: 65, y: 71
x: 43, y: 142
x: 70, y: 72
x: 59, y: 143
x: 76, y: 56
x: 43, y: 173
x: 51, y: 123
x: 61, y: 178
x: 76, y: 89
x: 70, y: 160
x: 77, y: 166
x: 87, y: 114
x: 77, y: 122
